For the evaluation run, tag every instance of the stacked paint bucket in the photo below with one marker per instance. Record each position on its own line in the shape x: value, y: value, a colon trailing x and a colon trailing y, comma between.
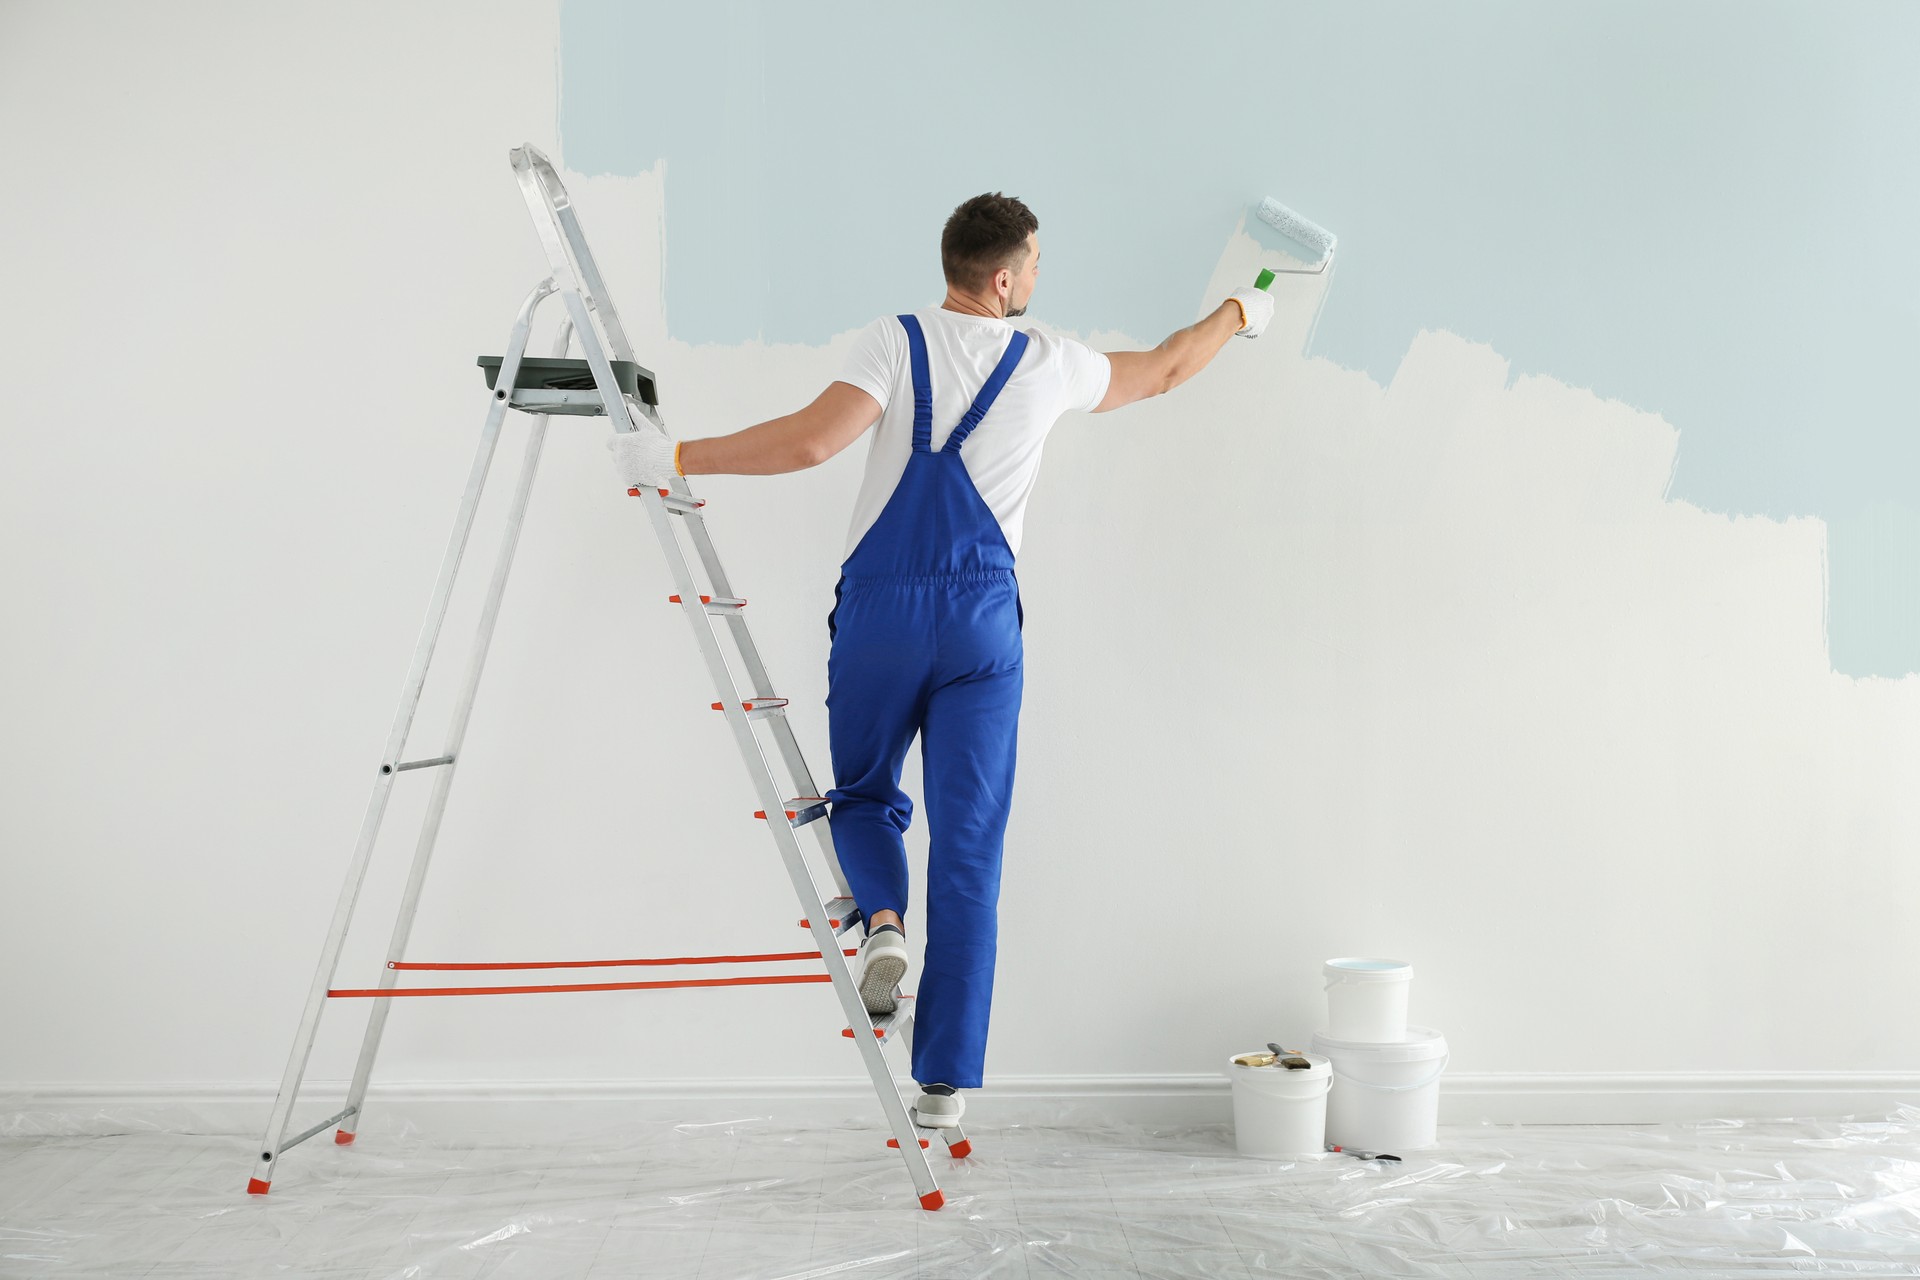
x: 1372, y: 1082
x: 1386, y: 1086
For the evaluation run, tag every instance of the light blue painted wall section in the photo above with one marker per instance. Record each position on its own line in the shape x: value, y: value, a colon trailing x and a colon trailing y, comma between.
x: 1706, y: 210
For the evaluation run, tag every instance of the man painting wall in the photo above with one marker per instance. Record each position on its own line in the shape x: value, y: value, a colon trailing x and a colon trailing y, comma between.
x: 925, y: 629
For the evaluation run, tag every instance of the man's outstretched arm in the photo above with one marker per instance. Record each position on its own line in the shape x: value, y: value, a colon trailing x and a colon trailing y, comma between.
x: 1139, y: 374
x: 799, y: 440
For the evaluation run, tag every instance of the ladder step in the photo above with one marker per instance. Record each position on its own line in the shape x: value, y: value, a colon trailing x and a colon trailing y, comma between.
x: 759, y: 708
x: 674, y: 502
x: 416, y: 764
x: 888, y: 1026
x: 715, y: 603
x: 840, y: 914
x: 801, y: 810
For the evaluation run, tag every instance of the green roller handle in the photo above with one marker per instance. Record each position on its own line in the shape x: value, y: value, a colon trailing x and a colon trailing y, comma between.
x: 1265, y: 279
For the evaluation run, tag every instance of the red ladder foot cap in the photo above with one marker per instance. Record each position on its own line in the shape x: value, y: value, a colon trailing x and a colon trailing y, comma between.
x: 255, y: 1187
x: 962, y: 1148
x: 342, y: 1137
x: 933, y: 1199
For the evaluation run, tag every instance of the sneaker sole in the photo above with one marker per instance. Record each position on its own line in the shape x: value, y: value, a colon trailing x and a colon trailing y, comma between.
x: 877, y: 982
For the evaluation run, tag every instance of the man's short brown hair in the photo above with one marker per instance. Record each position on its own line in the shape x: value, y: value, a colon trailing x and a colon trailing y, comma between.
x: 985, y: 234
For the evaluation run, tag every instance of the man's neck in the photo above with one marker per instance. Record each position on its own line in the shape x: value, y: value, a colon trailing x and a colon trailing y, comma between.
x: 972, y: 306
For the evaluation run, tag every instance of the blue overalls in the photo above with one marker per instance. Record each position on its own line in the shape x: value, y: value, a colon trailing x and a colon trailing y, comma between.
x: 925, y: 633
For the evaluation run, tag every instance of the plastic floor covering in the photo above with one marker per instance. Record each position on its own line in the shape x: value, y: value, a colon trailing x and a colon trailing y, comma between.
x: 1075, y: 1196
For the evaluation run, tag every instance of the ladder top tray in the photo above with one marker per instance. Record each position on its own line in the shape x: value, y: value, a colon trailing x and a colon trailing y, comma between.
x: 566, y: 386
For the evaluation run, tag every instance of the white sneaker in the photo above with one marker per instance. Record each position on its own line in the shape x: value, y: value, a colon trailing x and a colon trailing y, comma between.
x: 884, y: 962
x: 937, y: 1110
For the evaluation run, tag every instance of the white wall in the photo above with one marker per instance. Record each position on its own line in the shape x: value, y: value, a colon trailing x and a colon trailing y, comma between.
x: 1315, y: 667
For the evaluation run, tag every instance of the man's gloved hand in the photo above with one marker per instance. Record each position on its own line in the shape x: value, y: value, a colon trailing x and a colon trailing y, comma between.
x: 1259, y: 308
x: 643, y: 457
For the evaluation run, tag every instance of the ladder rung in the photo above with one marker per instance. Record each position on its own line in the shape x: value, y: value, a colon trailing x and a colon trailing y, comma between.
x: 840, y: 915
x: 759, y: 708
x: 716, y: 604
x: 887, y: 1026
x: 674, y: 502
x: 297, y: 1139
x: 415, y: 764
x: 801, y: 810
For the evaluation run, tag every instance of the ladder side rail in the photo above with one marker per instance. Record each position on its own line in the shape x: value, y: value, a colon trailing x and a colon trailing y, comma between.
x: 797, y: 771
x: 756, y: 671
x: 772, y: 802
x: 611, y: 400
x: 557, y: 223
x: 762, y: 684
x: 798, y: 871
x: 789, y: 748
x: 599, y: 299
x: 872, y: 1051
x: 782, y: 729
x: 455, y: 740
x: 750, y: 659
x: 717, y: 575
x: 783, y: 737
x: 271, y: 1144
x: 731, y: 695
x: 615, y: 403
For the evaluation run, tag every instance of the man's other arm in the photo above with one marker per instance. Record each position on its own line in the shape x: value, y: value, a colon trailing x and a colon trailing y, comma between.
x: 1139, y: 374
x: 799, y: 440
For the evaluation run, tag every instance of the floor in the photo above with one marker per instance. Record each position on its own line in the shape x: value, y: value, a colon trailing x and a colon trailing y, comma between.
x: 748, y: 1198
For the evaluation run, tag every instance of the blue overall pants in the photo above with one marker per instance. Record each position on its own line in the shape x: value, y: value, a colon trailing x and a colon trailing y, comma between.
x: 925, y: 633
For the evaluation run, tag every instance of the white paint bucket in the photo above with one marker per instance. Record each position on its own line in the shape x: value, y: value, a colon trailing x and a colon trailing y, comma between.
x: 1385, y: 1097
x: 1281, y: 1112
x: 1367, y: 999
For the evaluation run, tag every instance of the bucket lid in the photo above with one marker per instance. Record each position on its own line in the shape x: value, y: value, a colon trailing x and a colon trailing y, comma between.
x: 1367, y: 969
x: 1421, y: 1045
x: 1318, y: 1064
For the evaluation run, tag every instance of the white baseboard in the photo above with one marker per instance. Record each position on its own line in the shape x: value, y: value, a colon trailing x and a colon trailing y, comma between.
x: 532, y: 1107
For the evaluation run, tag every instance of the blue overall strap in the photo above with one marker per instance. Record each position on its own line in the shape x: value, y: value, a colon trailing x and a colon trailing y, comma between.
x: 922, y: 386
x: 1016, y: 346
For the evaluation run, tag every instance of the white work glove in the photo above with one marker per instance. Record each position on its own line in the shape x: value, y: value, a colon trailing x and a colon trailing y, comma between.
x: 643, y: 457
x: 1259, y: 307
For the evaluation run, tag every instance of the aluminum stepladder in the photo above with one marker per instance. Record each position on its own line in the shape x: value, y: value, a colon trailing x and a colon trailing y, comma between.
x: 613, y: 385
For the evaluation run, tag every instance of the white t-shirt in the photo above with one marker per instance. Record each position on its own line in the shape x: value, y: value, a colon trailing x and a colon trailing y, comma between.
x: 1002, y: 454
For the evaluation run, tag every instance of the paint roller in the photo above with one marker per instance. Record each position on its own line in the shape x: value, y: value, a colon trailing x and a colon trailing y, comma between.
x: 1308, y: 234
